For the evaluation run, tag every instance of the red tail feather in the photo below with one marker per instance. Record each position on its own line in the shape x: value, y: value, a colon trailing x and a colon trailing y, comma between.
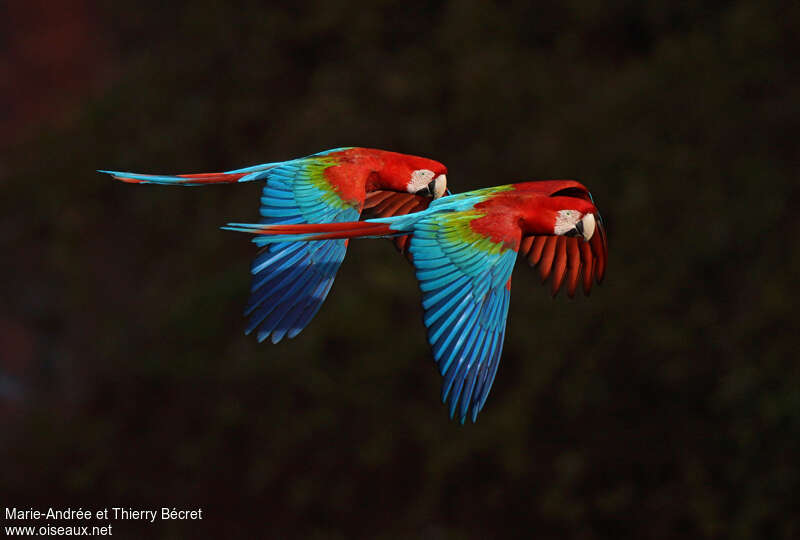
x: 181, y: 179
x: 328, y: 231
x: 213, y: 178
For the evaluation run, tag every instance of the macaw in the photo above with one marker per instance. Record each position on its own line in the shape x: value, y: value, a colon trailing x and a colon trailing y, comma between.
x: 463, y: 247
x: 292, y: 280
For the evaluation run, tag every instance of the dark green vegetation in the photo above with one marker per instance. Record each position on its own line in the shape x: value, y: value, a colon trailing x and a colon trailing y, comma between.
x: 667, y: 405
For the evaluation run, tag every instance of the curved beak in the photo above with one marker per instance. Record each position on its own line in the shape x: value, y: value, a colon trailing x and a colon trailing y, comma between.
x: 435, y: 188
x: 584, y: 228
x: 426, y: 191
x: 439, y: 186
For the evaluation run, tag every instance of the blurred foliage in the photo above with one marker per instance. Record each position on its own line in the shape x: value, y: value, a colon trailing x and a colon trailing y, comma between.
x: 667, y: 405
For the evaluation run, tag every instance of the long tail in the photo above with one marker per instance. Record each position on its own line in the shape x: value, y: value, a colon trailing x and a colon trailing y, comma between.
x: 270, y: 234
x: 229, y: 177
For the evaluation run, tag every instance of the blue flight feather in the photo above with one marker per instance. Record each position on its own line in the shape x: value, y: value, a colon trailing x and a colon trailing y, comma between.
x: 291, y: 281
x: 465, y: 298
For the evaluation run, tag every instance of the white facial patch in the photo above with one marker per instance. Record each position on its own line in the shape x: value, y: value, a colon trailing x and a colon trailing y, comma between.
x: 565, y: 221
x: 419, y: 180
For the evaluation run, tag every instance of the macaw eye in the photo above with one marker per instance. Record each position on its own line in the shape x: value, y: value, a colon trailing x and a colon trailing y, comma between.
x: 419, y: 180
x: 565, y: 221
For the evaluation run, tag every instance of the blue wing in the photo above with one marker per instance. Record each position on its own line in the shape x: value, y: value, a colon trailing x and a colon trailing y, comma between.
x: 292, y: 280
x: 465, y: 283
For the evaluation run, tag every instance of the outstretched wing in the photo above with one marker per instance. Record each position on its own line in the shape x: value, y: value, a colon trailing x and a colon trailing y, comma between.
x: 465, y: 278
x: 568, y: 259
x: 292, y: 280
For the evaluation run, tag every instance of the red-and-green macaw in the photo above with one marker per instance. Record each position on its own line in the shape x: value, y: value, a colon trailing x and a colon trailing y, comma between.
x: 463, y: 248
x: 292, y: 280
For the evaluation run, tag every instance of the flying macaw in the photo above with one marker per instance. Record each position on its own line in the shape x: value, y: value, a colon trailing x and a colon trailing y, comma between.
x: 292, y: 280
x: 463, y: 248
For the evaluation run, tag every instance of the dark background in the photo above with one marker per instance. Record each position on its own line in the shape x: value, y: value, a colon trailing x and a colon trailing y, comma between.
x: 666, y: 405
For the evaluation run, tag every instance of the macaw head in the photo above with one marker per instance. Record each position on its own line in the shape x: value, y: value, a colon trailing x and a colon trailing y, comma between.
x: 574, y: 223
x: 414, y: 174
x: 561, y: 212
x: 427, y: 182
